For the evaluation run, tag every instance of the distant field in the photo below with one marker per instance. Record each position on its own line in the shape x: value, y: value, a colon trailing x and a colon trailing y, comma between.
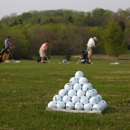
x: 28, y: 86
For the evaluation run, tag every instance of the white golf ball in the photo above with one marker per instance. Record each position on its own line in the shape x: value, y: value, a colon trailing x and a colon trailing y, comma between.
x: 52, y: 104
x: 84, y: 100
x: 83, y: 80
x: 66, y: 99
x: 70, y: 105
x: 77, y: 87
x: 75, y: 99
x: 80, y: 93
x: 63, y: 92
x: 91, y: 93
x: 18, y: 61
x: 72, y: 93
x: 99, y: 97
x: 57, y: 98
x: 86, y: 87
x: 88, y: 107
x: 90, y: 85
x: 60, y: 105
x: 68, y: 86
x: 93, y: 100
x: 96, y: 107
x: 79, y: 106
x: 79, y: 74
x: 102, y: 104
x: 73, y: 80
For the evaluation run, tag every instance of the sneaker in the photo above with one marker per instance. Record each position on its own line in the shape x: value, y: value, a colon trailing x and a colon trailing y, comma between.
x: 7, y: 61
x: 88, y: 61
x: 43, y: 62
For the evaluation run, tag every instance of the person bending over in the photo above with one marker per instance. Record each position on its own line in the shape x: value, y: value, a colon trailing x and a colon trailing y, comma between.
x: 42, y: 51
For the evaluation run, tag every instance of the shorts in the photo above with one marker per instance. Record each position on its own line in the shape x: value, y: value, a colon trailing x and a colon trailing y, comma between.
x: 42, y: 54
x: 89, y: 50
x: 4, y: 56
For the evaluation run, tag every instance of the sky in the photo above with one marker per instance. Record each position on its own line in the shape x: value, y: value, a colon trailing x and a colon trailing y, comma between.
x: 8, y: 7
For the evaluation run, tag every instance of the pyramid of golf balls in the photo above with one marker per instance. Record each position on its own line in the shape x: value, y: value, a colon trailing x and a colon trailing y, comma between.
x: 78, y: 94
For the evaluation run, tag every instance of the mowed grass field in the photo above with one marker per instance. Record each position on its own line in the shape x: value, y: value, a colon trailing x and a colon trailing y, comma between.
x: 27, y: 87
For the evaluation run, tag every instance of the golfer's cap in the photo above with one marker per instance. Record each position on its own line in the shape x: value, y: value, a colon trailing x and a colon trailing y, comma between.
x: 95, y: 38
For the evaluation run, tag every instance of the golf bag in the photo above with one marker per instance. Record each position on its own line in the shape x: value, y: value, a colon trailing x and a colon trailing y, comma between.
x: 3, y: 54
x: 83, y: 58
x: 39, y: 59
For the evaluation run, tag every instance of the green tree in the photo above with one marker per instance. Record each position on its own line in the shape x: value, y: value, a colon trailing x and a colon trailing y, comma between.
x: 122, y: 25
x: 114, y: 40
x: 98, y: 16
x: 97, y: 32
x: 69, y: 42
x: 20, y: 41
x: 83, y: 34
x: 127, y: 37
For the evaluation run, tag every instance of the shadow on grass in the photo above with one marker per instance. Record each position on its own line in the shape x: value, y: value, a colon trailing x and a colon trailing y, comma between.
x: 110, y: 109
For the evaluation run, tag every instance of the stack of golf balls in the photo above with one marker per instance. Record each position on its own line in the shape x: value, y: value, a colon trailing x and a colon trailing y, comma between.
x: 78, y: 94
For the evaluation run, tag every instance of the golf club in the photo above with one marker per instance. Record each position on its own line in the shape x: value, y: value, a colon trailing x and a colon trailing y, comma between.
x: 47, y: 59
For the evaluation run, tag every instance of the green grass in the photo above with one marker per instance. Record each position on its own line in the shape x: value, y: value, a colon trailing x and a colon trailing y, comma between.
x: 27, y: 87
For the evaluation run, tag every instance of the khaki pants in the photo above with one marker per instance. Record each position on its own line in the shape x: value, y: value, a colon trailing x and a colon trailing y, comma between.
x: 89, y: 51
x: 42, y: 54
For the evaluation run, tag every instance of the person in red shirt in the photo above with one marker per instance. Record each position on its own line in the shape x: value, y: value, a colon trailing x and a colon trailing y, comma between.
x: 42, y: 51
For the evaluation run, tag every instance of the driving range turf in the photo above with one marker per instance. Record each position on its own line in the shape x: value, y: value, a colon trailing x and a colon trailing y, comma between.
x: 27, y: 87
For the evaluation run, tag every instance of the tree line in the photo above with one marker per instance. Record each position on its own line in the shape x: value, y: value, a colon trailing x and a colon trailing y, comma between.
x: 68, y: 32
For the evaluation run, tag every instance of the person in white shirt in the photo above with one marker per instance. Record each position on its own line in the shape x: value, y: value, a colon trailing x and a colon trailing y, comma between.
x: 90, y: 46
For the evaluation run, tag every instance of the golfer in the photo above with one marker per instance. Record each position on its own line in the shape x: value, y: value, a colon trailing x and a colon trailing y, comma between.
x: 42, y: 51
x: 7, y: 47
x: 90, y: 46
